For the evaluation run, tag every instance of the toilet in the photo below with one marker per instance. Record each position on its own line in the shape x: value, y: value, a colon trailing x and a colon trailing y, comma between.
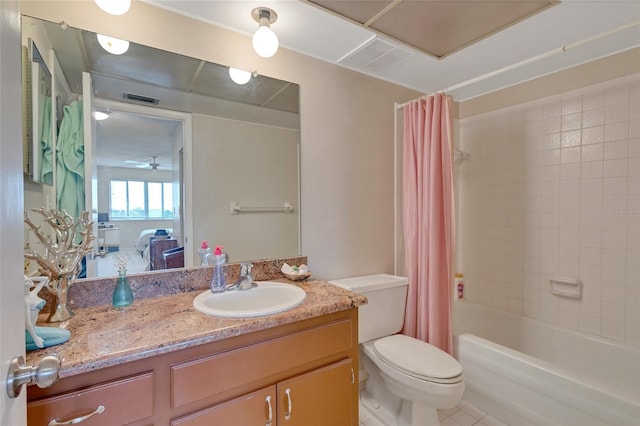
x: 404, y: 381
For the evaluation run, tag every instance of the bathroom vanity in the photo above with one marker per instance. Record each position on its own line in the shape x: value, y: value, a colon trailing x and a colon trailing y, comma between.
x: 160, y: 362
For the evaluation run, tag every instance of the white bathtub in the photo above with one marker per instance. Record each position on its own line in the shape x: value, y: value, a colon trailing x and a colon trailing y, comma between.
x: 526, y: 372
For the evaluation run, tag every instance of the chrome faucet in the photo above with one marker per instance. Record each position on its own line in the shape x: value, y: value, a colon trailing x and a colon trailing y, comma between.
x: 245, y: 281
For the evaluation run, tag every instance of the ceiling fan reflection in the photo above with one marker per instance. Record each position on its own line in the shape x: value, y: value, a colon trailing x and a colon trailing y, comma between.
x: 151, y: 165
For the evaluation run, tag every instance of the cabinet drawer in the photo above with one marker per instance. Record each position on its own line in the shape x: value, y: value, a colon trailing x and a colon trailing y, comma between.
x: 202, y: 378
x: 124, y: 401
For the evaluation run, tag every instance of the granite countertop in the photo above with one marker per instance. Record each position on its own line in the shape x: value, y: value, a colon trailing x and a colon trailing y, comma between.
x: 103, y: 336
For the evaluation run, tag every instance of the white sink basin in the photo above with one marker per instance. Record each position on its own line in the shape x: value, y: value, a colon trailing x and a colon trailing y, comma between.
x: 268, y: 297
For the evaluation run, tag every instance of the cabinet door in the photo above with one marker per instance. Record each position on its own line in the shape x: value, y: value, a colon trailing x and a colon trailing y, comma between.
x: 319, y: 398
x: 255, y: 409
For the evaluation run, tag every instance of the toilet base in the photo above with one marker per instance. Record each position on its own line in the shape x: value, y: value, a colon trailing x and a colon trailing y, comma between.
x: 414, y: 414
x: 410, y: 414
x: 381, y: 413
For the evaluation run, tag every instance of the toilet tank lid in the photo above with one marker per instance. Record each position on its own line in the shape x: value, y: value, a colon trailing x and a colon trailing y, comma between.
x: 370, y: 282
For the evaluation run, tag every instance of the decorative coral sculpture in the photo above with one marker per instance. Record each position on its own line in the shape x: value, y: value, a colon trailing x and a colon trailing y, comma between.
x: 64, y: 247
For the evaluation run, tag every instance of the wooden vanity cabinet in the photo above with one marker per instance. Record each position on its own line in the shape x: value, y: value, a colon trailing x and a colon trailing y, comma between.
x: 306, y: 373
x: 318, y: 398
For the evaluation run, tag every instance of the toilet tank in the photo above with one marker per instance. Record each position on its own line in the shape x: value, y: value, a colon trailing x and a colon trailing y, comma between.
x: 383, y: 315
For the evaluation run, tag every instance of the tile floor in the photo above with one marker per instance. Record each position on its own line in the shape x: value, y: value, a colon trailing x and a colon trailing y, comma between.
x: 462, y: 415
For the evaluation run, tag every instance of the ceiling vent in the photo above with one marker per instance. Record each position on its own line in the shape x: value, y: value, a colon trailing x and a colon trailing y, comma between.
x: 374, y: 56
x: 140, y: 98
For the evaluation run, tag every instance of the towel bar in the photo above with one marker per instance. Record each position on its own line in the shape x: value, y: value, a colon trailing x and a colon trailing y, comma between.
x: 235, y: 208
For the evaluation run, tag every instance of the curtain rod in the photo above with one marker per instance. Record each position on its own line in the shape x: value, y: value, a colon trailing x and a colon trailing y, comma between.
x: 402, y: 105
x: 560, y: 49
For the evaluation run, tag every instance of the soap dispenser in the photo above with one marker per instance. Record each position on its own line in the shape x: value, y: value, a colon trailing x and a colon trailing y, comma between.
x: 205, y: 253
x: 218, y: 282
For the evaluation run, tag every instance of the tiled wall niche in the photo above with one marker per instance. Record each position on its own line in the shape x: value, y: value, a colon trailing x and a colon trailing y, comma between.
x: 552, y: 187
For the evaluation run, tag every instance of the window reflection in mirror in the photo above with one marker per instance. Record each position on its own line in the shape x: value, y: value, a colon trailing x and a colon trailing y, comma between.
x: 238, y: 145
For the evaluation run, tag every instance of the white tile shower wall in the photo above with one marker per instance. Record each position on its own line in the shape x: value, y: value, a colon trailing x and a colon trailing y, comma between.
x: 552, y: 187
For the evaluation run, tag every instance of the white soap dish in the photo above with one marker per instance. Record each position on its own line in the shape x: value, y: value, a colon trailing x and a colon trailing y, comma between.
x: 295, y: 273
x: 297, y: 277
x: 566, y: 287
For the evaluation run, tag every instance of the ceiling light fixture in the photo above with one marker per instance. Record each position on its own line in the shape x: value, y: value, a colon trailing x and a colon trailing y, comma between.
x: 113, y: 45
x: 100, y: 115
x: 114, y: 7
x: 239, y: 76
x: 265, y: 41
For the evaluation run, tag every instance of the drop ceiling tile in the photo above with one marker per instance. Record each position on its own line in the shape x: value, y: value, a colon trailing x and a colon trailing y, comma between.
x: 437, y: 28
x: 358, y: 11
x: 440, y: 28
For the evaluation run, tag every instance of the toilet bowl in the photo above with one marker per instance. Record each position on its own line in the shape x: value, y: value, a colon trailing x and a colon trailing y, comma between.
x: 408, y: 380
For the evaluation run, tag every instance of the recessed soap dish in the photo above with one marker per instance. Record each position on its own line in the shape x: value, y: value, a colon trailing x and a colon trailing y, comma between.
x: 566, y: 287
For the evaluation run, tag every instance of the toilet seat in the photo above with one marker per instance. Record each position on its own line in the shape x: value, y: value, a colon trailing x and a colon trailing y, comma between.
x: 418, y: 359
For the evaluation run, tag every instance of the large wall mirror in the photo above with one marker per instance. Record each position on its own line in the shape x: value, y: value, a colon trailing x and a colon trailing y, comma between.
x: 178, y: 151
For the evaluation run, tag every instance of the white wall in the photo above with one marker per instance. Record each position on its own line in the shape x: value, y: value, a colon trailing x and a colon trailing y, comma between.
x: 552, y: 187
x: 230, y: 162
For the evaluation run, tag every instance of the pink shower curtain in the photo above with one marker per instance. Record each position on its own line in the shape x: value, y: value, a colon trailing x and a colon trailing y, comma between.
x: 428, y: 219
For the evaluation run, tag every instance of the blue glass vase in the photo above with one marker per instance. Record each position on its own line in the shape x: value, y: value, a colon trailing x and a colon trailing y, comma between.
x: 122, y: 294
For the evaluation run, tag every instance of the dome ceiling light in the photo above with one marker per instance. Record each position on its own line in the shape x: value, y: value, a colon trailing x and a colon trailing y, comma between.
x: 239, y: 76
x: 114, y: 7
x: 113, y: 45
x: 265, y: 41
x: 100, y: 115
